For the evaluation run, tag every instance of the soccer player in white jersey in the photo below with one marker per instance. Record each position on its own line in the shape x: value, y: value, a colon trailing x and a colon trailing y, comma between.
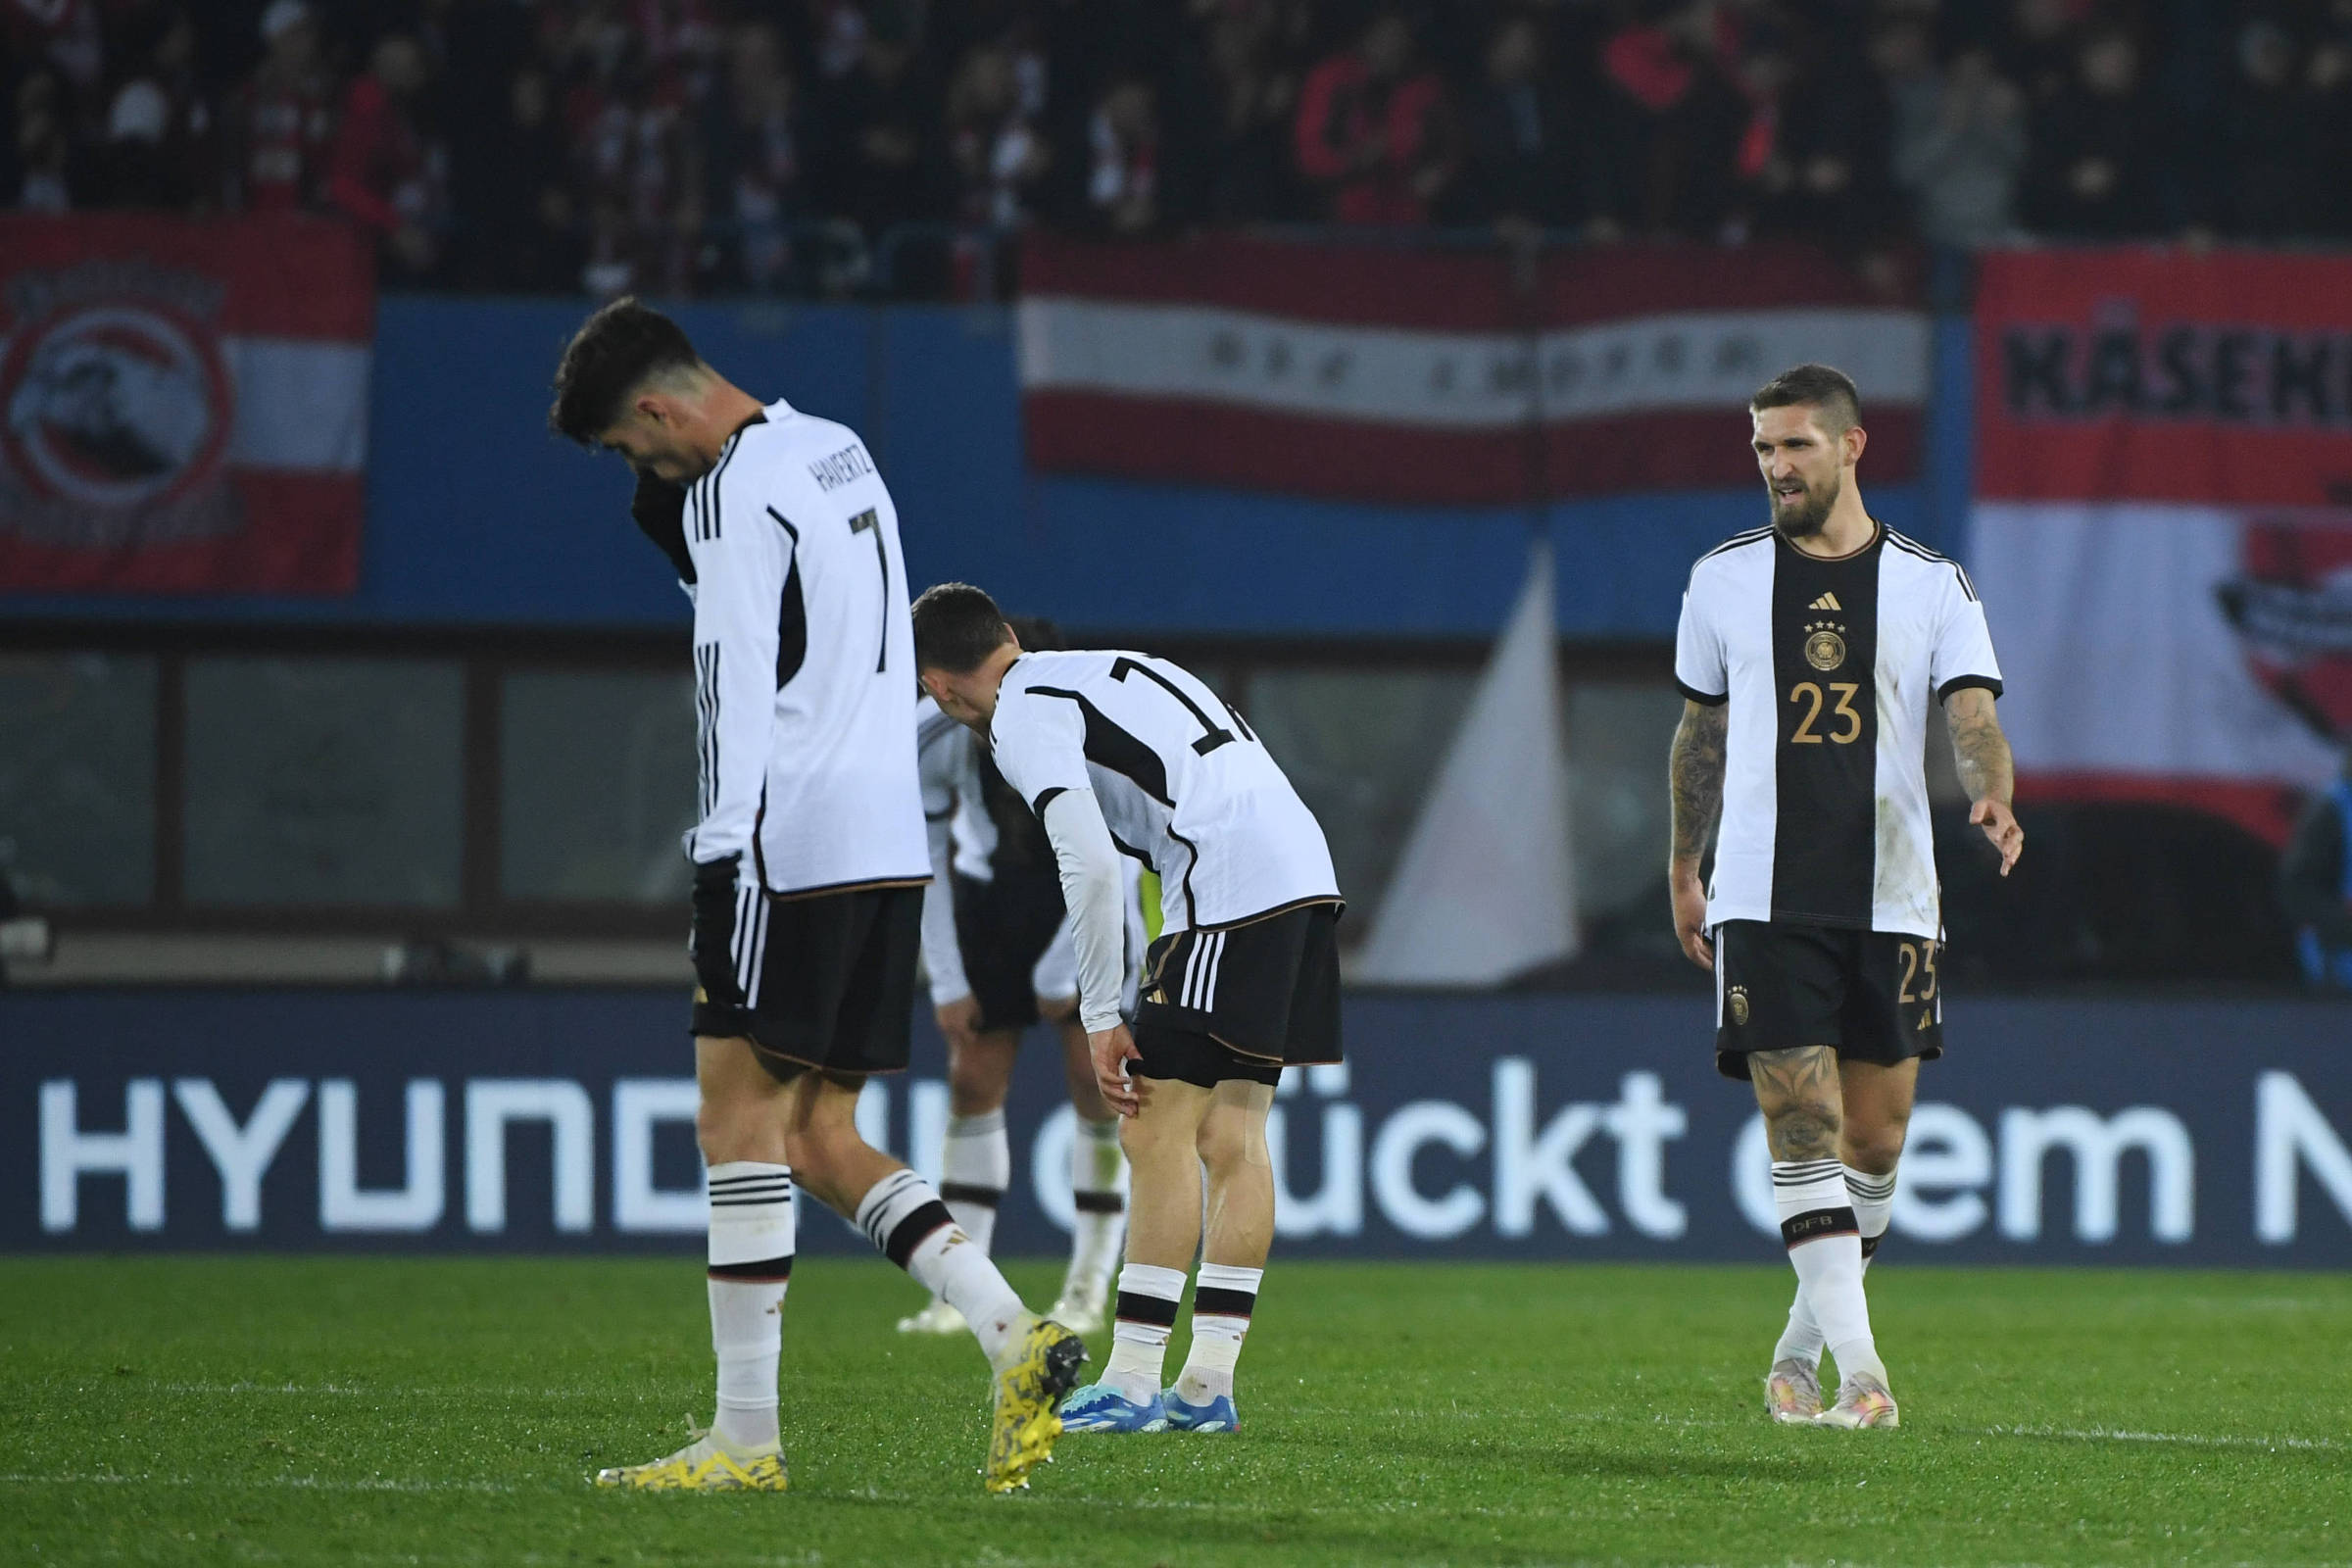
x: 809, y: 864
x: 1000, y: 956
x: 1810, y: 653
x: 1121, y: 752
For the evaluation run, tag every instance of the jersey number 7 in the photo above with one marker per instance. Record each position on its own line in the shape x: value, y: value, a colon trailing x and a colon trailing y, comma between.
x: 1211, y: 736
x: 870, y: 522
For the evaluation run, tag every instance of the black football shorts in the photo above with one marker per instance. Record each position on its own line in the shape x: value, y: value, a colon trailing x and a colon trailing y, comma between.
x: 1872, y: 994
x: 1244, y: 1001
x: 823, y: 981
x: 1002, y: 928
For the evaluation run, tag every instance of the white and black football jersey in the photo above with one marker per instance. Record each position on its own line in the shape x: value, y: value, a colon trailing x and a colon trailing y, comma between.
x: 804, y: 660
x: 1184, y: 784
x: 1829, y: 667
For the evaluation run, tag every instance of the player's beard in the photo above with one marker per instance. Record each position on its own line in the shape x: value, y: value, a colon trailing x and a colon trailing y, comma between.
x: 1804, y: 515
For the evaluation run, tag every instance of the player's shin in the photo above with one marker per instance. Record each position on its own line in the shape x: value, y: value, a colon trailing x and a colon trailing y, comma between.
x: 1872, y: 1199
x: 1147, y: 1319
x: 1223, y: 1297
x: 904, y: 1217
x: 1825, y: 1245
x: 751, y: 1243
x: 974, y: 1170
x: 1096, y: 1166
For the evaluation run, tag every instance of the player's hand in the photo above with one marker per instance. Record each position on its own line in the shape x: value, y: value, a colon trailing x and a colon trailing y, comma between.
x: 2000, y: 826
x: 1690, y: 918
x: 1113, y: 1049
x: 958, y: 1021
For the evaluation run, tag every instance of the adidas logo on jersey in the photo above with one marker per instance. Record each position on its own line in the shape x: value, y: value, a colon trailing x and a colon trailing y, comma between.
x: 1826, y: 602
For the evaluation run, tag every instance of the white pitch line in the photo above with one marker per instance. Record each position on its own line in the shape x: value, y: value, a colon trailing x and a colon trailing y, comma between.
x: 2194, y: 1439
x: 259, y: 1484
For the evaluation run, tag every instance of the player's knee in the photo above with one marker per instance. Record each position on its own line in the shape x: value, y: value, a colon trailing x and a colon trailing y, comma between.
x: 1803, y: 1130
x: 975, y: 1088
x: 1227, y: 1143
x: 1873, y: 1150
x: 1058, y: 1010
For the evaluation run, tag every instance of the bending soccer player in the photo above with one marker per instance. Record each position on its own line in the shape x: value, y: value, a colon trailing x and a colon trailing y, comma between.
x: 808, y: 869
x: 1809, y: 653
x: 998, y: 948
x: 1122, y: 753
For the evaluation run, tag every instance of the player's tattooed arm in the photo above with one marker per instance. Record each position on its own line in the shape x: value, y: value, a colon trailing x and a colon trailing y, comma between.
x: 1695, y: 772
x: 1694, y: 778
x: 1981, y: 753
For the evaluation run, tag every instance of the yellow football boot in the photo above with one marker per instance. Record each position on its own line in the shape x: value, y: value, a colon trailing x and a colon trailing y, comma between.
x: 703, y: 1466
x: 1041, y: 1368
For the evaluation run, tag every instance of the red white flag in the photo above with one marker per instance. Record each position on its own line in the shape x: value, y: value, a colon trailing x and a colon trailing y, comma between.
x: 1388, y: 375
x: 183, y: 404
x: 2163, y: 529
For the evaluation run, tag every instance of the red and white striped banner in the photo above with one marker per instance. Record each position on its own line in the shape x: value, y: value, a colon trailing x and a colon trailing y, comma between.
x: 1410, y: 375
x: 183, y: 404
x: 2163, y: 527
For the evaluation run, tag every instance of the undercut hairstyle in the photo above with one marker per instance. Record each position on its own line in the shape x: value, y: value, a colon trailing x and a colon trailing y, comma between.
x: 1813, y: 386
x: 957, y: 627
x: 615, y: 351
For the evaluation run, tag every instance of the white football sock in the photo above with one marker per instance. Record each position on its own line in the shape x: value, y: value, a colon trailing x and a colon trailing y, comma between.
x: 1095, y: 1163
x: 974, y: 1169
x: 1223, y: 1297
x: 1825, y: 1245
x: 751, y: 1242
x: 1874, y: 1208
x: 1139, y: 1344
x: 905, y: 1219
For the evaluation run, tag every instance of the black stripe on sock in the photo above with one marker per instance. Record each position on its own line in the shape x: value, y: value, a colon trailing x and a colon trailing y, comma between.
x: 1099, y: 1202
x: 1870, y: 1246
x: 781, y: 1174
x: 768, y: 1271
x: 1135, y: 1307
x: 1217, y: 1302
x: 968, y: 1193
x: 916, y: 1229
x: 1817, y: 1223
x: 784, y: 1198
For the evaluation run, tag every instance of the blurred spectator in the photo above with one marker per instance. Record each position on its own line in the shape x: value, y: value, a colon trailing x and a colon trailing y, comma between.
x: 2038, y: 49
x: 879, y: 126
x: 1123, y: 144
x: 1519, y: 139
x: 45, y: 174
x: 384, y: 171
x: 2093, y: 145
x: 999, y: 158
x: 2329, y: 83
x: 756, y: 162
x: 161, y: 137
x: 527, y: 239
x: 2269, y: 133
x: 1373, y: 132
x: 1959, y: 141
x: 65, y: 36
x: 1240, y: 99
x: 642, y: 189
x: 281, y: 122
x: 1825, y: 174
x: 1675, y: 123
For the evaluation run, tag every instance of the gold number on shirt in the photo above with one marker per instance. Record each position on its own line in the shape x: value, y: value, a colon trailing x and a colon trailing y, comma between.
x: 1919, y: 962
x: 1840, y: 701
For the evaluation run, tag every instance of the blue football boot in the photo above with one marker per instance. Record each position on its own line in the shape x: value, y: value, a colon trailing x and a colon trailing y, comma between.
x: 1099, y: 1407
x: 1217, y: 1416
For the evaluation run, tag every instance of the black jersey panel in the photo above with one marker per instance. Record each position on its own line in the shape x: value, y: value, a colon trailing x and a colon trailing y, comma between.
x: 1825, y: 617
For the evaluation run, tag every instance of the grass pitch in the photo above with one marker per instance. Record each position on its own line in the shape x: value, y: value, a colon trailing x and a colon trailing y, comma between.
x: 263, y: 1410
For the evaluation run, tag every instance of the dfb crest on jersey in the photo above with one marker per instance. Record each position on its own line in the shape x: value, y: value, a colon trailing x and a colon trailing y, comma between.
x: 115, y: 408
x: 1824, y: 649
x: 2291, y: 605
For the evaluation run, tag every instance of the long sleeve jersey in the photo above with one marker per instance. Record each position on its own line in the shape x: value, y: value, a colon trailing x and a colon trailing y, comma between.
x: 804, y: 658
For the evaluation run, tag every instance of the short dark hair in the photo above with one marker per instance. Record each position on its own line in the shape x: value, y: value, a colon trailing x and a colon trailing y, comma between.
x: 957, y: 627
x: 611, y: 356
x: 1813, y: 386
x: 1038, y: 635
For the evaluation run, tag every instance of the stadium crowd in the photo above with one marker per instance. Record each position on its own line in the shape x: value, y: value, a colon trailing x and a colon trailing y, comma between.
x: 834, y: 146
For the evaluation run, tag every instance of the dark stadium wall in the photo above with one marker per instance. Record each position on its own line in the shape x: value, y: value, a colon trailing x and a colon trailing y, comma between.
x: 2191, y: 1132
x: 476, y: 515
